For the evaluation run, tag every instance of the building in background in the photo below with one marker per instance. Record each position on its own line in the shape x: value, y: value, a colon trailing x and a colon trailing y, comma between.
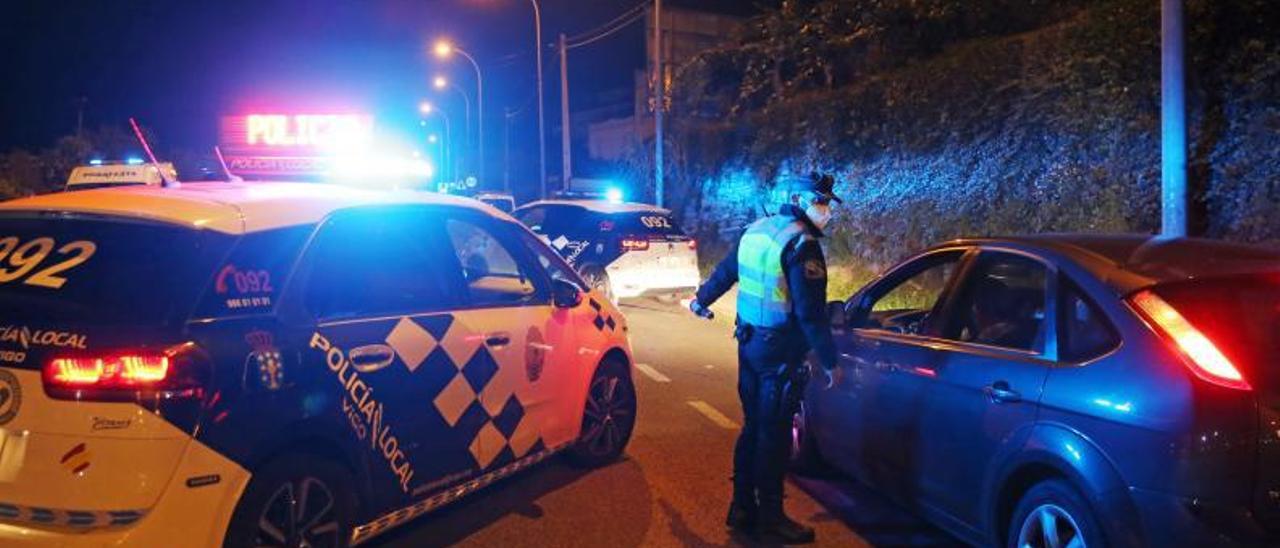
x: 686, y: 32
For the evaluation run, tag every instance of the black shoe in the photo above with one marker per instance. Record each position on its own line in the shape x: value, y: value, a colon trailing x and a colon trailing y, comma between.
x: 741, y: 517
x: 783, y: 530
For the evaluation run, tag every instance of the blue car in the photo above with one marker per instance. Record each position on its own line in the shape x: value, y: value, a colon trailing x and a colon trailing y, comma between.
x: 1064, y: 391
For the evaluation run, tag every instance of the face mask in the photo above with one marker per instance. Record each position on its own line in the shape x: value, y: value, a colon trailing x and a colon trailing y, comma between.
x: 820, y: 214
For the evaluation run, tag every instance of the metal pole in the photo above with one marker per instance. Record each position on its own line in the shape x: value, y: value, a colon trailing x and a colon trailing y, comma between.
x: 658, y: 101
x: 479, y: 108
x: 565, y: 151
x: 542, y: 133
x: 466, y: 118
x: 1173, y: 171
x: 506, y: 151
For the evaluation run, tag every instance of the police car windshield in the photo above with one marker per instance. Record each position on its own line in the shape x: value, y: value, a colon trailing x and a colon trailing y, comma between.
x: 103, y: 271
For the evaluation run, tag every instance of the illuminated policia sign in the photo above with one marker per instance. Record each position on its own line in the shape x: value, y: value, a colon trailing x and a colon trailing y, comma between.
x: 291, y: 144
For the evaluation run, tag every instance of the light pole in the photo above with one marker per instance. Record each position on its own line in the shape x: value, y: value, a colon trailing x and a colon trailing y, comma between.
x: 542, y: 134
x: 1173, y: 114
x: 658, y: 96
x: 443, y: 50
x: 442, y: 83
x: 428, y: 109
x: 566, y: 154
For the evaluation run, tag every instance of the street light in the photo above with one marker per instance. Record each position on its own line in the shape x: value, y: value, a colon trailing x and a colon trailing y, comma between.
x: 427, y: 109
x: 445, y: 49
x: 441, y: 83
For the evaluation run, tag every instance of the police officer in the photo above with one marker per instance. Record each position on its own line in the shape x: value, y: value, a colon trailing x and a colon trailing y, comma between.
x: 781, y: 274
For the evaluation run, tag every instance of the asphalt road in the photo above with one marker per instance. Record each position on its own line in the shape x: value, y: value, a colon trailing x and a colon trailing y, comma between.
x: 673, y: 486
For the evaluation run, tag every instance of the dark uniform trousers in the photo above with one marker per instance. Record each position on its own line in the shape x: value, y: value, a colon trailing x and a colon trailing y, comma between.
x: 769, y: 383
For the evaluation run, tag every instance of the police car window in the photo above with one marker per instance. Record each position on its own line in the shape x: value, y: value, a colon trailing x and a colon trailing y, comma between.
x: 374, y: 263
x: 1084, y: 332
x: 250, y: 279
x: 491, y: 271
x: 533, y: 217
x: 1002, y: 303
x: 549, y: 261
x: 906, y: 306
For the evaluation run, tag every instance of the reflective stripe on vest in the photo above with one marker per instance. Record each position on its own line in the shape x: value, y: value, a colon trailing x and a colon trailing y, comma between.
x: 763, y: 298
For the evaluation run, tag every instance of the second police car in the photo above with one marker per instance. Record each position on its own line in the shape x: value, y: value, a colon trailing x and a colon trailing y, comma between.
x: 284, y: 364
x: 622, y: 249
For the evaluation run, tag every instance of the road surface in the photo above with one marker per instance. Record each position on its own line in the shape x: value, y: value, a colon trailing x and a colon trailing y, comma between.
x: 673, y: 486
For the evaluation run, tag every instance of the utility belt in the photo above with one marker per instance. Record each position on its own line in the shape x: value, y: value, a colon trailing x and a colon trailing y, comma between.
x: 745, y: 332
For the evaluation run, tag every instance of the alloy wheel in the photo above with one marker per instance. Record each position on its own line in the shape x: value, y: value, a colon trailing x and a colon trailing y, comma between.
x: 301, y: 513
x: 1049, y: 526
x: 609, y: 416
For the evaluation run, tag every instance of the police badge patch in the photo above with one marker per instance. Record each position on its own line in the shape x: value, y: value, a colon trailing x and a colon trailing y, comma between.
x: 814, y: 270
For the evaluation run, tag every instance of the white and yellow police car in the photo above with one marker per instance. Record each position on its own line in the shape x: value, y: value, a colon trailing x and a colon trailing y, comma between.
x: 284, y: 364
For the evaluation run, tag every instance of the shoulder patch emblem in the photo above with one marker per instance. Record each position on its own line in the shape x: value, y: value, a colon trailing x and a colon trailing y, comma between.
x: 814, y: 270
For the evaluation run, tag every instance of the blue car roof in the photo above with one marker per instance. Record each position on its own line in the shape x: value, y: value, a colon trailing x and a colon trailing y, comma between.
x: 1131, y: 261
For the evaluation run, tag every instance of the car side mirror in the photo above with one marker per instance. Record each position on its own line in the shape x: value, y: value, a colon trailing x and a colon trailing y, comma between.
x: 565, y: 294
x: 836, y: 315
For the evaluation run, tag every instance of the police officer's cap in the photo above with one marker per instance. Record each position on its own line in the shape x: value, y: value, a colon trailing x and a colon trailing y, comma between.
x: 822, y: 184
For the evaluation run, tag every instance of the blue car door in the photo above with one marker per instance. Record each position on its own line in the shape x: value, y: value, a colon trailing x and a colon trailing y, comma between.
x: 869, y: 420
x: 384, y: 299
x: 983, y: 396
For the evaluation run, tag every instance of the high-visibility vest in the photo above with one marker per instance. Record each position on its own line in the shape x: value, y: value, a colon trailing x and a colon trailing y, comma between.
x: 763, y: 297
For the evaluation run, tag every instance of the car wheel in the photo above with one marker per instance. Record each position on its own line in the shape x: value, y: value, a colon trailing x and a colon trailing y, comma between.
x: 1053, y: 514
x: 608, y: 418
x: 294, y: 502
x: 598, y: 279
x: 805, y: 457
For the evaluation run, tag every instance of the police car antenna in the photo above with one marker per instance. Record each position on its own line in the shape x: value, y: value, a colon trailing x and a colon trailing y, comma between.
x: 232, y: 178
x: 165, y: 181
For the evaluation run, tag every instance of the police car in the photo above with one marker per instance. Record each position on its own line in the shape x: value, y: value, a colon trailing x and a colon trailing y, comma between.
x: 128, y: 173
x: 623, y: 250
x: 284, y: 364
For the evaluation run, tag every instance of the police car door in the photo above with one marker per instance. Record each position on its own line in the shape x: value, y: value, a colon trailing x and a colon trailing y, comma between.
x: 501, y: 345
x: 382, y: 297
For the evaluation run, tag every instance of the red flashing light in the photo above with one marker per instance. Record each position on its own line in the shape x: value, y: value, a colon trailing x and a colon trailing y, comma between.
x: 1200, y: 354
x: 693, y: 244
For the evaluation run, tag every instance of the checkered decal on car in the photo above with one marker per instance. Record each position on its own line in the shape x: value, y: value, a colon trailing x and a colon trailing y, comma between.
x: 603, y: 319
x: 480, y: 401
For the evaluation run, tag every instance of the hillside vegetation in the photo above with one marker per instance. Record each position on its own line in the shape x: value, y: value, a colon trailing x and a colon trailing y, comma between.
x: 946, y: 118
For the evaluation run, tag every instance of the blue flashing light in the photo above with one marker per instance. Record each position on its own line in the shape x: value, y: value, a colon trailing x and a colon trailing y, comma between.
x: 134, y: 161
x: 613, y: 195
x: 95, y: 162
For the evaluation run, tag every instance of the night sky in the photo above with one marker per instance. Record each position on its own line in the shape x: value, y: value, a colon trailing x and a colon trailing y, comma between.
x: 179, y: 65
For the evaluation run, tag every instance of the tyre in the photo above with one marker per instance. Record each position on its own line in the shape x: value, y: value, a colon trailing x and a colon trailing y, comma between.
x: 295, y: 501
x: 805, y: 457
x: 608, y: 418
x: 598, y: 279
x: 1054, y: 514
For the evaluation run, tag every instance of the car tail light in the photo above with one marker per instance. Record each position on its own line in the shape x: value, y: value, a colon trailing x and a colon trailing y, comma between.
x: 1201, y: 355
x: 127, y: 374
x: 635, y: 243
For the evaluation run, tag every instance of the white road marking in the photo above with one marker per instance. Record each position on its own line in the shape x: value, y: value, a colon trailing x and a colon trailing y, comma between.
x: 652, y: 373
x: 713, y: 415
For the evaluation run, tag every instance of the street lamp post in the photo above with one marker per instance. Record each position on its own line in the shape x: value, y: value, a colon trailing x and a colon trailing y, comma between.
x: 658, y: 100
x: 542, y: 134
x: 1173, y: 114
x: 427, y: 109
x: 442, y: 83
x: 444, y: 49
